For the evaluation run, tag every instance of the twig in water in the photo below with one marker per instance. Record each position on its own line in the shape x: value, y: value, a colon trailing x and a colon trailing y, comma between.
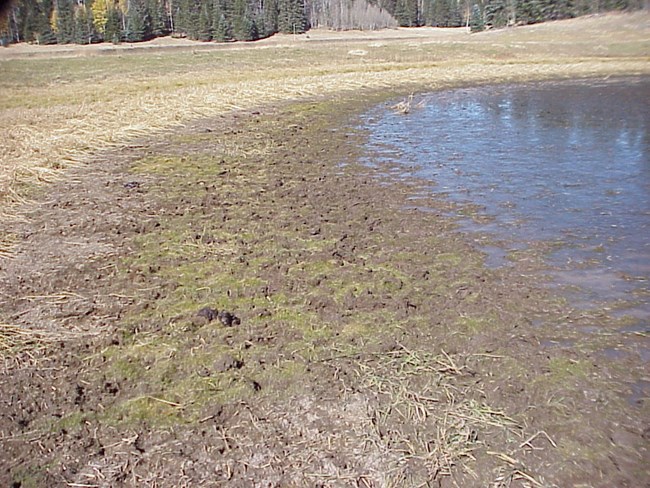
x: 404, y: 106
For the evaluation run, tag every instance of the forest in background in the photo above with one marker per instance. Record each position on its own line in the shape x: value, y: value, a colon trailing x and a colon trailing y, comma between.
x: 92, y: 21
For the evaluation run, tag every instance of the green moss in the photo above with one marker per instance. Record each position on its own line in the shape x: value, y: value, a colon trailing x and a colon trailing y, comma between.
x: 128, y: 368
x: 563, y: 369
x: 70, y: 423
x: 477, y: 324
x: 452, y: 259
x: 149, y: 410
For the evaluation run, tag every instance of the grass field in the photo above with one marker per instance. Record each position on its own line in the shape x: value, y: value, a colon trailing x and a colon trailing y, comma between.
x: 58, y: 109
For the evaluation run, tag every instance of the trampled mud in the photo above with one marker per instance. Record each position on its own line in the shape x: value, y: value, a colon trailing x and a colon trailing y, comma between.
x: 374, y: 346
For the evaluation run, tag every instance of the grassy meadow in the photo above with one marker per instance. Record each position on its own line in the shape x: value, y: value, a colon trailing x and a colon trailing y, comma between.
x: 58, y: 111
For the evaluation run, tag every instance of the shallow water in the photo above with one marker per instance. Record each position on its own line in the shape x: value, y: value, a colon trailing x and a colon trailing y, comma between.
x: 563, y: 162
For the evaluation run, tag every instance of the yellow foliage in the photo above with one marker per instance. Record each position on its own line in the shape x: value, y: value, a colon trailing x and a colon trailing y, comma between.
x: 54, y: 20
x: 4, y: 24
x: 100, y: 15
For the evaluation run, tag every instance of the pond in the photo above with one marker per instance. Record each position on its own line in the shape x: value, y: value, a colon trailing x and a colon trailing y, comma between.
x: 563, y: 162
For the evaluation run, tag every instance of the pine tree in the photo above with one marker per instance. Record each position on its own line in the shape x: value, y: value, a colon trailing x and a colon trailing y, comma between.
x: 496, y: 13
x: 243, y: 23
x: 442, y: 13
x: 291, y: 16
x: 137, y: 22
x: 63, y: 18
x: 269, y: 19
x: 83, y: 25
x: 205, y: 22
x: 44, y: 32
x: 221, y: 26
x: 529, y: 11
x: 113, y: 29
x: 29, y: 16
x: 191, y: 17
x: 476, y: 21
x: 158, y: 16
x: 406, y: 13
x: 186, y: 22
x: 222, y: 30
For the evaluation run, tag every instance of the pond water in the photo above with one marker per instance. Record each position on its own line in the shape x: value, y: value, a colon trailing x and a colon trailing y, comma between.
x: 563, y: 162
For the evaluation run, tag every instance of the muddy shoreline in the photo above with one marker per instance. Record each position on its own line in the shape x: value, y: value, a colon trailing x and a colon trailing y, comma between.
x: 375, y: 348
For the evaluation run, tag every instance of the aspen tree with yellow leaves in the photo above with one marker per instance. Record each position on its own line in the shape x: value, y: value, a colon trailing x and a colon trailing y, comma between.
x: 99, y: 9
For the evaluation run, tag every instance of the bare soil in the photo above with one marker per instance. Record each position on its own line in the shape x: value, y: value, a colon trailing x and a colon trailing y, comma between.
x: 374, y: 347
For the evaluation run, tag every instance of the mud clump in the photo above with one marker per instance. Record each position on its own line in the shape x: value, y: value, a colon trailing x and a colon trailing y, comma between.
x: 225, y: 363
x: 228, y: 319
x: 209, y: 314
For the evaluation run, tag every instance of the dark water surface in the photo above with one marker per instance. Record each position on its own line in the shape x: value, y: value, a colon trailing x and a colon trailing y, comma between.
x: 563, y: 162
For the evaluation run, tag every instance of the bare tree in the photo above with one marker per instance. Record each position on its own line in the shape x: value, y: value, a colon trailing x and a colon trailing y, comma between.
x: 344, y: 14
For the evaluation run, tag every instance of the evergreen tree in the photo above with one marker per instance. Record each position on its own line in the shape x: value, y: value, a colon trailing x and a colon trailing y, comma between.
x: 187, y: 17
x: 45, y: 34
x: 529, y: 11
x: 243, y: 22
x: 158, y: 18
x: 83, y: 25
x: 476, y: 22
x: 557, y: 9
x: 222, y: 30
x: 113, y: 29
x: 291, y: 16
x: 205, y: 22
x: 496, y: 13
x: 137, y: 22
x: 64, y: 21
x: 29, y: 21
x: 406, y: 13
x: 269, y: 19
x: 442, y: 13
x: 244, y: 28
x: 221, y: 25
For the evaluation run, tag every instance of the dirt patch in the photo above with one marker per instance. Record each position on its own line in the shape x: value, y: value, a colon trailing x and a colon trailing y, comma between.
x: 371, y: 347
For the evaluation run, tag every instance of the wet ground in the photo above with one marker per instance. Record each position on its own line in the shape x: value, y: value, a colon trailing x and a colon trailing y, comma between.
x: 559, y: 166
x: 244, y: 303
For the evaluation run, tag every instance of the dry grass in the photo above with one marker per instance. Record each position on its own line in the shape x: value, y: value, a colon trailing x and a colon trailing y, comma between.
x: 58, y: 113
x: 404, y: 413
x: 441, y: 425
x: 16, y: 339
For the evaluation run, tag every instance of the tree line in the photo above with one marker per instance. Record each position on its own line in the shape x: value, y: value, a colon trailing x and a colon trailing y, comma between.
x: 484, y: 14
x: 90, y: 21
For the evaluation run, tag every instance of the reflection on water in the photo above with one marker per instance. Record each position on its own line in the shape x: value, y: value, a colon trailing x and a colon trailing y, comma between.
x: 562, y: 162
